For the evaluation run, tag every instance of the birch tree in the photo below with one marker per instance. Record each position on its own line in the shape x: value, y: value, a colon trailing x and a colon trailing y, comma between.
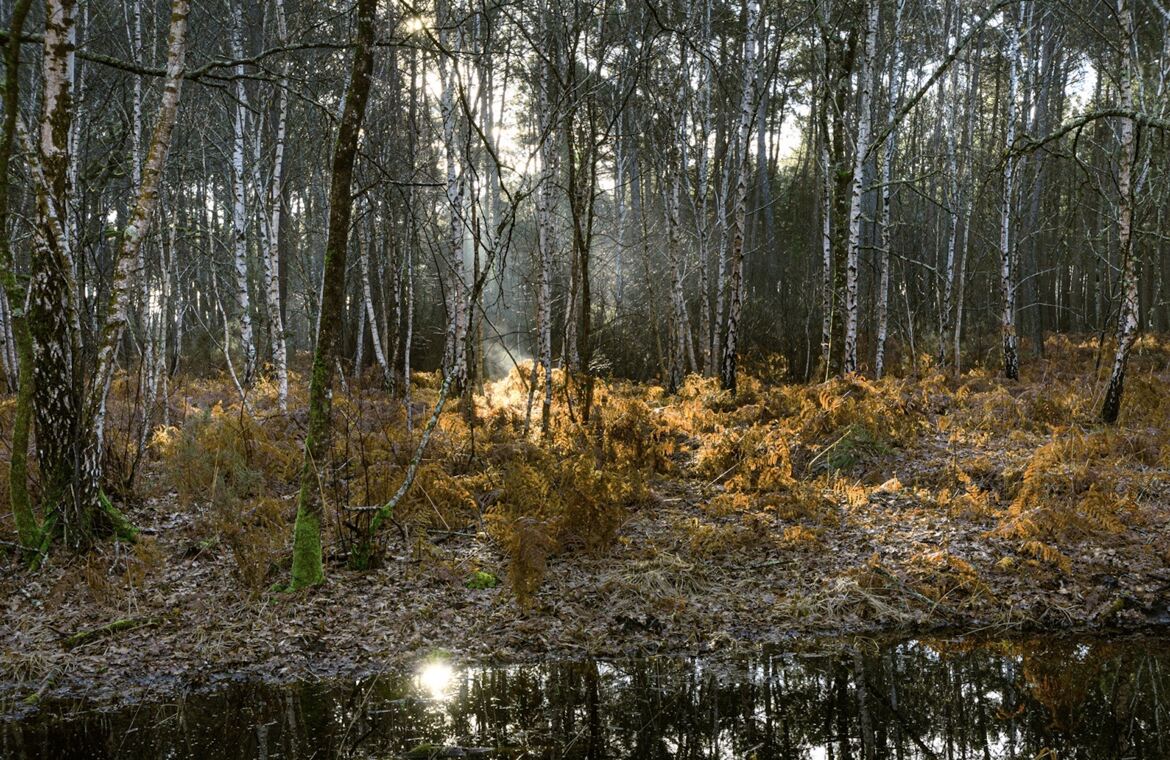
x: 20, y: 345
x: 739, y: 213
x: 275, y: 205
x: 544, y: 232
x: 950, y: 97
x: 883, y: 294
x: 1007, y: 276
x: 861, y: 152
x: 69, y: 401
x: 1127, y: 319
x: 454, y: 355
x: 239, y: 196
x: 371, y: 315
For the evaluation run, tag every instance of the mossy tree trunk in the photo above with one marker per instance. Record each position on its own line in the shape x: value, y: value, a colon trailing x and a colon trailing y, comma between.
x: 306, y: 567
x: 52, y: 300
x: 69, y: 393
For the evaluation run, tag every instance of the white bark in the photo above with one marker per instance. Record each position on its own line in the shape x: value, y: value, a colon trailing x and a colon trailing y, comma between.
x: 455, y: 356
x: 619, y: 173
x: 359, y: 354
x: 408, y: 337
x: 134, y: 33
x: 968, y: 210
x: 239, y: 204
x: 950, y: 97
x: 704, y: 121
x: 883, y: 295
x: 826, y: 254
x: 77, y: 80
x: 1007, y: 283
x: 371, y: 313
x: 1127, y: 320
x: 724, y: 228
x: 735, y: 258
x: 144, y: 205
x: 544, y: 199
x: 677, y: 298
x: 861, y: 150
x: 7, y: 341
x: 148, y: 304
x: 272, y: 254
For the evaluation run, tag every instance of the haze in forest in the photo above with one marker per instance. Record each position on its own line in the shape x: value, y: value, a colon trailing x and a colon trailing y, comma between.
x: 578, y: 329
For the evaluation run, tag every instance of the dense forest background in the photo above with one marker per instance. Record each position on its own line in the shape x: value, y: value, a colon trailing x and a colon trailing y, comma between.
x: 603, y: 161
x: 625, y: 190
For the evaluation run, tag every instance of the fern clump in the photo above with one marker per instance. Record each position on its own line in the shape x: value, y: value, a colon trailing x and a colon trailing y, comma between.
x: 214, y: 456
x: 557, y: 502
x: 1074, y: 487
x: 633, y: 435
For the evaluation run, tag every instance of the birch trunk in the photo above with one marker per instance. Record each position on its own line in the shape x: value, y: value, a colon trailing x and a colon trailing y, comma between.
x: 20, y: 346
x: 968, y: 206
x: 145, y: 203
x: 827, y: 184
x: 951, y: 96
x: 148, y: 375
x: 272, y: 254
x: 883, y: 294
x: 704, y: 120
x: 722, y: 192
x: 1007, y: 283
x: 7, y: 355
x: 53, y: 320
x: 1127, y: 320
x: 677, y: 299
x: 735, y: 257
x: 861, y: 150
x: 826, y: 257
x: 412, y: 246
x: 454, y: 354
x: 68, y: 404
x: 545, y: 244
x: 371, y: 313
x: 239, y: 205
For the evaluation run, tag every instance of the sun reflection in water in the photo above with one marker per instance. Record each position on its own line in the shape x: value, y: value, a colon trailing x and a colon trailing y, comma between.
x: 435, y: 678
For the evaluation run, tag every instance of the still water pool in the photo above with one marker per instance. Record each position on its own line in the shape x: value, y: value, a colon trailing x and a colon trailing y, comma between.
x: 1037, y: 698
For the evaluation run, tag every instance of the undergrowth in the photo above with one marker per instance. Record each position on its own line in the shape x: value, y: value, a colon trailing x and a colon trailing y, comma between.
x: 778, y: 466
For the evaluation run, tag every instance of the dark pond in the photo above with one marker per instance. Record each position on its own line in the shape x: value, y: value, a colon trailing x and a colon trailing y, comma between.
x: 913, y: 699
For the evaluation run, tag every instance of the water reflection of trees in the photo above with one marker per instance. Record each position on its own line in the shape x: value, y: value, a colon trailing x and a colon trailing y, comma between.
x: 913, y: 700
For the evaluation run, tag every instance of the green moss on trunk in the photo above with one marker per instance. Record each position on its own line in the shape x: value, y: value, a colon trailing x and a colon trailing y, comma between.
x: 307, y: 569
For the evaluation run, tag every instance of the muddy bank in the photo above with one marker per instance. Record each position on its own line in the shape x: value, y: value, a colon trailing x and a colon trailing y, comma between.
x: 676, y: 525
x: 656, y: 591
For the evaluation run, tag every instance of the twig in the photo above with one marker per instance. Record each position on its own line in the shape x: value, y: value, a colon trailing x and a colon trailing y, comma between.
x: 116, y: 626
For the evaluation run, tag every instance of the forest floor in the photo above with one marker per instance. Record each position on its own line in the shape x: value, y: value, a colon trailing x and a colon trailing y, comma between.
x: 669, y: 525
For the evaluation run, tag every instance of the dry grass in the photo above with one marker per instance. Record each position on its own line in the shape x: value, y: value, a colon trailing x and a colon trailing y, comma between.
x: 776, y: 467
